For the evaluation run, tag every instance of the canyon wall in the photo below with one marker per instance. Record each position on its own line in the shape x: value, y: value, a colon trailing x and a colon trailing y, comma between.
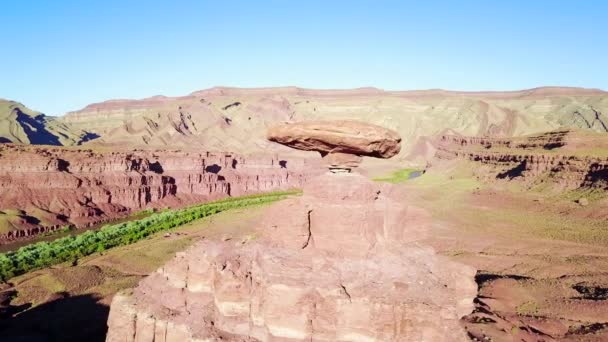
x: 45, y: 188
x: 565, y: 159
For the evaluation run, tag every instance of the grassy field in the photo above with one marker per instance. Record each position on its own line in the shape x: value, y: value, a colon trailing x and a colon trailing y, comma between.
x: 398, y: 176
x: 452, y: 198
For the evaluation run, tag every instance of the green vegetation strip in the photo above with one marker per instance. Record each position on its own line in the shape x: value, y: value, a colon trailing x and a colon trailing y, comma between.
x: 44, y: 254
x: 398, y: 176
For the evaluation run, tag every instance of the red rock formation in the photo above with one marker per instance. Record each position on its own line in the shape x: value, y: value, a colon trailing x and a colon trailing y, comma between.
x: 341, y: 136
x: 344, y: 265
x: 53, y: 187
x: 341, y: 263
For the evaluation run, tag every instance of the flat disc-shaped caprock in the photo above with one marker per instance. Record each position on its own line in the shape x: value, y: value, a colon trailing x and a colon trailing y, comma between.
x: 339, y: 136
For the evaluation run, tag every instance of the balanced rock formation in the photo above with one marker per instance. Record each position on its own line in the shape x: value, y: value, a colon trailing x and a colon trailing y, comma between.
x: 345, y: 136
x: 341, y: 143
x: 340, y: 263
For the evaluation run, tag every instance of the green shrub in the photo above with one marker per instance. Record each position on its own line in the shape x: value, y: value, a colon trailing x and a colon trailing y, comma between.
x: 44, y: 254
x: 398, y: 176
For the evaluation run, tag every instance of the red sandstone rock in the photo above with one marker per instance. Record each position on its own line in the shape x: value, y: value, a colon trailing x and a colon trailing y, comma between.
x: 274, y: 294
x: 341, y: 263
x: 340, y: 136
x: 50, y: 187
x: 341, y: 161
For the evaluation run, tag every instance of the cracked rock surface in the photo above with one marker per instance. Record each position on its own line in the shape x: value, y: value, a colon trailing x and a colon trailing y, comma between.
x: 340, y: 263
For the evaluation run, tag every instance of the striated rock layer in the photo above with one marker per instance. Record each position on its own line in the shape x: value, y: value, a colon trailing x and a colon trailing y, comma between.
x: 236, y: 119
x: 564, y: 159
x: 45, y: 188
x: 341, y: 263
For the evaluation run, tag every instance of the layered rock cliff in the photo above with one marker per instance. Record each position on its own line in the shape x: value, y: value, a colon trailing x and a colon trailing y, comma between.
x: 565, y: 159
x: 44, y: 188
x: 236, y: 119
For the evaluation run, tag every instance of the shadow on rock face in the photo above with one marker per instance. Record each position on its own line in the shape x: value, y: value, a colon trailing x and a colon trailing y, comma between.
x: 514, y: 172
x: 483, y: 277
x: 88, y: 137
x: 63, y: 165
x: 214, y: 168
x: 156, y: 167
x: 35, y: 129
x: 78, y: 318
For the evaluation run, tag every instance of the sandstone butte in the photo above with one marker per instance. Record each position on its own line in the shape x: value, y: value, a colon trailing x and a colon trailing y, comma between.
x: 345, y: 264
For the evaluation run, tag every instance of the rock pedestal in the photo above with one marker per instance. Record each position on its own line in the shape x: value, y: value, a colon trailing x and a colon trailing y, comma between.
x: 340, y: 263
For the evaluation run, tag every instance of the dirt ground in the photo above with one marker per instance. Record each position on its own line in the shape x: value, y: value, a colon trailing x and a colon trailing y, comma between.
x: 542, y: 261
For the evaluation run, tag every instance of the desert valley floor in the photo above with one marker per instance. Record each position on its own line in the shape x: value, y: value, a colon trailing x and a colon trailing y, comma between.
x: 541, y: 262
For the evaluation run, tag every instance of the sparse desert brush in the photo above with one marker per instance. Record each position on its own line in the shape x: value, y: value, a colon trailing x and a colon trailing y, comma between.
x: 529, y: 308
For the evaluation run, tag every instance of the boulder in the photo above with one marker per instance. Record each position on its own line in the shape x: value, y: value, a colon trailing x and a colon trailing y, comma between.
x: 339, y: 136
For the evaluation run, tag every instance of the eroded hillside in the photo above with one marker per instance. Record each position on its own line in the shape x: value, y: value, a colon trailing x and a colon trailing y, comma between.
x: 236, y: 119
x: 21, y: 125
x: 233, y: 119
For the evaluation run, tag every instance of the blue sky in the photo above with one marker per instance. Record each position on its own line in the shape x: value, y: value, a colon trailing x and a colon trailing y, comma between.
x: 62, y: 55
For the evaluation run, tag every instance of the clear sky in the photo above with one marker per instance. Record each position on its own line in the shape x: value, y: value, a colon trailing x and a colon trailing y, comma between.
x: 62, y: 55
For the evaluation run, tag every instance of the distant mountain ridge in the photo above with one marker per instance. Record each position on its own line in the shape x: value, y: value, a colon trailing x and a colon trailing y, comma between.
x: 236, y: 119
x: 21, y: 125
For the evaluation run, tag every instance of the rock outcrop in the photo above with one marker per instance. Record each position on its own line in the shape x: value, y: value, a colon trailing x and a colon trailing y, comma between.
x: 45, y: 188
x: 345, y: 136
x: 341, y: 143
x: 340, y: 263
